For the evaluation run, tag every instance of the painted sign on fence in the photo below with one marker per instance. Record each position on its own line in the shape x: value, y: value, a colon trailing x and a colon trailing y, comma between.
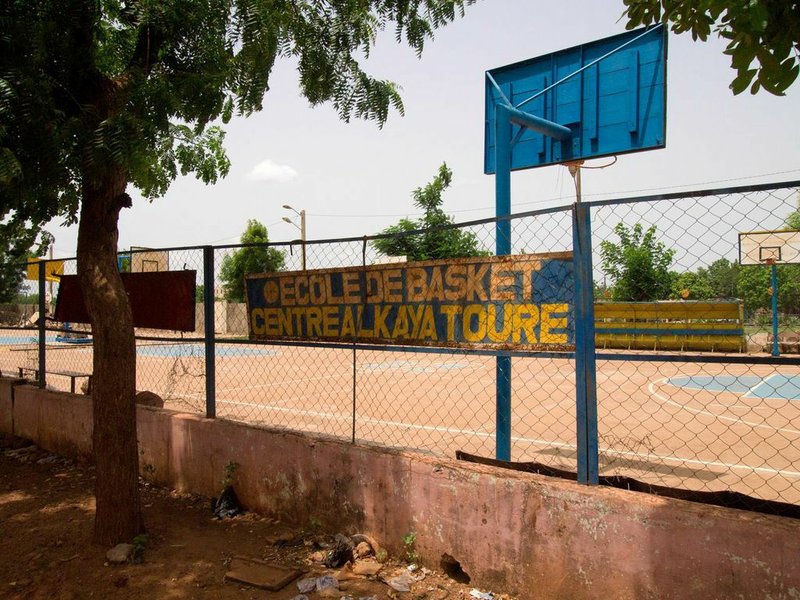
x: 520, y: 301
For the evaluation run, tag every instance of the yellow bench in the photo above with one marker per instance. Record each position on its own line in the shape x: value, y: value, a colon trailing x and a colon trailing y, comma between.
x: 671, y: 325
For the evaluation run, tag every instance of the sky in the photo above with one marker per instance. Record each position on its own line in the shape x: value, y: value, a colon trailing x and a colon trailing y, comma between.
x: 354, y: 179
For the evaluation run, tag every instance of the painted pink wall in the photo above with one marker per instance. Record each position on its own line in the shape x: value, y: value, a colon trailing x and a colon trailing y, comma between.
x: 524, y: 534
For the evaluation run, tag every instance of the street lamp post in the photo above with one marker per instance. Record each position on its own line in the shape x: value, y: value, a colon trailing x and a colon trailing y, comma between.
x: 302, y: 228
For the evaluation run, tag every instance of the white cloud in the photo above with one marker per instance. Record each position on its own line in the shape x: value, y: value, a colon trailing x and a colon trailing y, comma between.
x: 267, y: 170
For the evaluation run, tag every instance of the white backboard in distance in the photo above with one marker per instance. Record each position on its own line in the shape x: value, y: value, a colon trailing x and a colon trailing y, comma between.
x: 767, y: 247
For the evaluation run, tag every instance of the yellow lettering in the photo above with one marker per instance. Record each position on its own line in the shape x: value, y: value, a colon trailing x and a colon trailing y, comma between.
x: 381, y: 314
x: 475, y: 287
x: 313, y: 321
x: 474, y: 323
x: 287, y: 290
x: 362, y: 331
x: 331, y: 298
x: 285, y: 322
x: 549, y: 322
x: 435, y: 287
x: 415, y: 312
x: 401, y: 325
x: 502, y: 284
x: 455, y: 278
x: 301, y: 290
x: 524, y: 318
x: 392, y: 286
x: 351, y: 284
x: 416, y: 279
x: 348, y: 325
x: 428, y: 327
x: 271, y: 321
x: 504, y: 334
x: 316, y: 289
x: 527, y: 269
x: 450, y: 312
x: 374, y: 287
x: 257, y: 321
x: 330, y: 321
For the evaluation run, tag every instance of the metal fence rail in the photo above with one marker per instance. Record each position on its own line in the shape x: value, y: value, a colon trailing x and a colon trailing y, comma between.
x: 696, y: 419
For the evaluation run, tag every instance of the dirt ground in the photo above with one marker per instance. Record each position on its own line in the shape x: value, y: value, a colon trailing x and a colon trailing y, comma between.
x: 46, y: 550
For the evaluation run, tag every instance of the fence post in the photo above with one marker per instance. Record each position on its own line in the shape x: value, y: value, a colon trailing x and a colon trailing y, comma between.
x: 585, y: 365
x: 42, y: 381
x: 776, y: 349
x: 502, y: 189
x: 208, y: 321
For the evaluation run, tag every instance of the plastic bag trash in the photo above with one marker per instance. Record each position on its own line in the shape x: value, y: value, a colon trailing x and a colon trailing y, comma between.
x: 327, y: 582
x: 401, y: 583
x: 227, y: 505
x: 475, y: 593
x: 341, y: 553
x: 307, y: 585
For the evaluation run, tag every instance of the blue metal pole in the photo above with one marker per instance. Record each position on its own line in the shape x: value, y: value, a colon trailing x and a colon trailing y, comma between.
x: 502, y: 189
x: 42, y: 381
x: 776, y: 351
x: 210, y: 342
x: 585, y: 365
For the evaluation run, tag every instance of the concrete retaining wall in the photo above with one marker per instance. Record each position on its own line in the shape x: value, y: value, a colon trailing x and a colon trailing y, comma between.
x: 525, y: 534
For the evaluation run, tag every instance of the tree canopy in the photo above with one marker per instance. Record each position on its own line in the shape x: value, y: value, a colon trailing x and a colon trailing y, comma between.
x: 638, y: 265
x: 250, y: 259
x: 436, y: 240
x: 763, y: 35
x: 99, y: 94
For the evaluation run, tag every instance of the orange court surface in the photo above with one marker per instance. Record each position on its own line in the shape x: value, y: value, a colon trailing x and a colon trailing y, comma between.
x: 701, y: 426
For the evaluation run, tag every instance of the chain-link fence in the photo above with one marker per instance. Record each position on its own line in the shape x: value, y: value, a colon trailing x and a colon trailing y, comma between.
x: 685, y: 381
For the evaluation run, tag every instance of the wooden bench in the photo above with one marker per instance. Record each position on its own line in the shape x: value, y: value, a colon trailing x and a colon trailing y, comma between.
x: 73, y: 375
x: 671, y: 325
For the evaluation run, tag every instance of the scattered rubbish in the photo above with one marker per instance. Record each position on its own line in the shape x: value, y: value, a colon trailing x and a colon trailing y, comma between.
x: 121, y: 553
x: 327, y: 582
x: 260, y: 574
x: 227, y: 505
x: 320, y: 584
x: 363, y: 549
x: 300, y: 597
x: 401, y: 583
x: 307, y: 585
x: 476, y: 593
x: 412, y: 567
x: 360, y: 538
x: 367, y: 568
x: 341, y: 553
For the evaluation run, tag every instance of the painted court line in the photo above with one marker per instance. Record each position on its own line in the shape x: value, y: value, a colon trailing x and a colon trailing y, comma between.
x: 697, y: 411
x: 533, y: 441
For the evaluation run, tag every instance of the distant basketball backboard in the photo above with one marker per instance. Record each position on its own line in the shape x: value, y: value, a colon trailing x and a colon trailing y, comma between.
x: 769, y: 247
x: 149, y: 261
x: 609, y: 94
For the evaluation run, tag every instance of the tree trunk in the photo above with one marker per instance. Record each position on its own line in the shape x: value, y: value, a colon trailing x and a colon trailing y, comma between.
x: 118, y: 514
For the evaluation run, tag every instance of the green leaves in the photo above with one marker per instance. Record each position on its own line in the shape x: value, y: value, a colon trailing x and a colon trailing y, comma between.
x: 638, y: 265
x: 252, y: 259
x: 763, y: 35
x: 142, y: 87
x: 432, y: 236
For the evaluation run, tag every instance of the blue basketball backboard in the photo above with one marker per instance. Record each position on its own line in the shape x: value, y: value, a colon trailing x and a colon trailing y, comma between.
x: 610, y: 94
